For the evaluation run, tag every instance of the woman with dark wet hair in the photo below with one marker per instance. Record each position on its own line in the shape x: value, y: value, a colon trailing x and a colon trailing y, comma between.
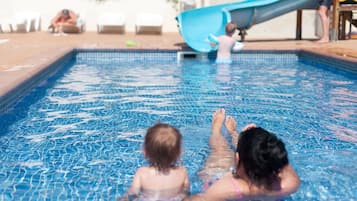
x: 258, y: 170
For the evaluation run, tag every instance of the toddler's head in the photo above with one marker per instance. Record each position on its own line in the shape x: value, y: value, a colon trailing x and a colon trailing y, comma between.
x: 162, y: 146
x: 231, y: 28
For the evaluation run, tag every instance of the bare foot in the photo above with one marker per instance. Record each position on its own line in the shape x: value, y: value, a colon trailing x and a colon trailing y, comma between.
x: 323, y: 40
x: 231, y: 125
x: 217, y: 120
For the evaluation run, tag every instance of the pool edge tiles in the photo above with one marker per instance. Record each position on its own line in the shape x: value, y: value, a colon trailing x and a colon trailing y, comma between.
x: 331, y: 61
x: 30, y: 78
x: 271, y: 55
x: 127, y: 55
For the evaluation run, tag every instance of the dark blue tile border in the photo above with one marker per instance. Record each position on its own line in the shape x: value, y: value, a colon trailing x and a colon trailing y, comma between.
x: 328, y: 61
x: 124, y: 55
x: 12, y: 96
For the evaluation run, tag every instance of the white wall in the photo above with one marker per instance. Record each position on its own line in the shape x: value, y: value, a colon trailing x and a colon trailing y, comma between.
x: 91, y: 9
x: 281, y: 27
x: 285, y: 26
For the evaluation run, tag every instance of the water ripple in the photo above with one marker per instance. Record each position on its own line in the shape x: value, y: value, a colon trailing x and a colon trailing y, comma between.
x: 79, y: 135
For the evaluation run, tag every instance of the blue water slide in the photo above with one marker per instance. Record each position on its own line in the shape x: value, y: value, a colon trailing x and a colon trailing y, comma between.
x: 197, y: 24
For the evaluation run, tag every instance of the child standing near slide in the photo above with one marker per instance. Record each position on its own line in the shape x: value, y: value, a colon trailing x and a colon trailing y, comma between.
x: 162, y: 179
x: 225, y: 44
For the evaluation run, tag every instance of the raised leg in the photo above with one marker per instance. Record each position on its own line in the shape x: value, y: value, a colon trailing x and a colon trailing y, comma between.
x: 221, y: 157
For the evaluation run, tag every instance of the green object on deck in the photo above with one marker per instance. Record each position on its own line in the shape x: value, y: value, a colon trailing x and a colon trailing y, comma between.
x: 130, y: 43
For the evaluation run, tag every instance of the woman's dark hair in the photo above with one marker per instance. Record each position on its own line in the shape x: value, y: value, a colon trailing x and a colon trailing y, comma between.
x: 262, y: 155
x: 162, y: 146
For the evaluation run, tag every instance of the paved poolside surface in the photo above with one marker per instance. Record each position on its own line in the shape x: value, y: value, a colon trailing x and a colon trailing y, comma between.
x: 23, y: 54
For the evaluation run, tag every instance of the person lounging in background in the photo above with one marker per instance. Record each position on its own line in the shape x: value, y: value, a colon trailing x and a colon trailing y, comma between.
x: 258, y: 170
x: 163, y: 179
x: 64, y: 21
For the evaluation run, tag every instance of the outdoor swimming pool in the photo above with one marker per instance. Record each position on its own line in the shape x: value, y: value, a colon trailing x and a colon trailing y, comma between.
x: 78, y: 135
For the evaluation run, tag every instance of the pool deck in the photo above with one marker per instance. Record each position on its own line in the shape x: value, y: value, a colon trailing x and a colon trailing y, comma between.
x: 23, y: 55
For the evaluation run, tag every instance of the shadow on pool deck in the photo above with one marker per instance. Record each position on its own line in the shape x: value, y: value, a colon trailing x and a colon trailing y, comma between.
x: 22, y: 54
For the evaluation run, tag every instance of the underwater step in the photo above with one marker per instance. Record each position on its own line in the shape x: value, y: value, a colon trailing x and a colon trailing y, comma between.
x: 181, y: 55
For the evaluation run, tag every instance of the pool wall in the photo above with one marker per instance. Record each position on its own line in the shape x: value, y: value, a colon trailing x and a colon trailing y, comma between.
x: 330, y: 61
x: 27, y: 79
x: 34, y: 78
x: 125, y: 55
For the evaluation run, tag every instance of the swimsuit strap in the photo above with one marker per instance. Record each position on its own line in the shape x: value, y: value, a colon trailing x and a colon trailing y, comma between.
x: 236, y: 186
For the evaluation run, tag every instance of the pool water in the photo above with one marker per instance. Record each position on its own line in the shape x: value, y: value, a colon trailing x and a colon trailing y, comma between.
x: 79, y: 134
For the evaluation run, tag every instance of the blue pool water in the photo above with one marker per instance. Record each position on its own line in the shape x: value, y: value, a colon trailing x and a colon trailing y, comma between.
x: 79, y: 134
